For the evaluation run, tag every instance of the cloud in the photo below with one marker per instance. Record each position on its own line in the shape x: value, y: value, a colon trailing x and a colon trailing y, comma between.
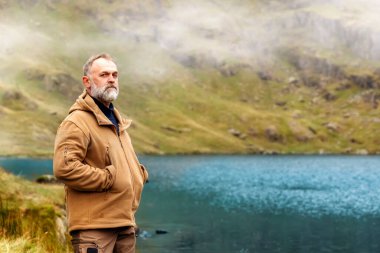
x: 152, y: 42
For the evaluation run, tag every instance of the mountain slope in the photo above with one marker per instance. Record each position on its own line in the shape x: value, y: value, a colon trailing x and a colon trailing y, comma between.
x: 201, y: 77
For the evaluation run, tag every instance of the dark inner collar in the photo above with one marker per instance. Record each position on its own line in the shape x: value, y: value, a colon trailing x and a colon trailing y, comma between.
x: 107, y: 111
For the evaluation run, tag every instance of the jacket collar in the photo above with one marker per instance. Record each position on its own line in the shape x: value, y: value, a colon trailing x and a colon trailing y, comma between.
x: 86, y: 103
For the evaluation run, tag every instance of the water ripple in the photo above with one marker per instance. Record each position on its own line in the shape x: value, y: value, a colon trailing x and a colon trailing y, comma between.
x: 310, y: 185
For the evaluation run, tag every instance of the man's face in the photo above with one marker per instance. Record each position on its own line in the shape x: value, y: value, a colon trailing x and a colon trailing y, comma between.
x: 102, y: 81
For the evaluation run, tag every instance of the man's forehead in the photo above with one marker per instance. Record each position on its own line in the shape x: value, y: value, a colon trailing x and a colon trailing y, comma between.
x: 102, y: 64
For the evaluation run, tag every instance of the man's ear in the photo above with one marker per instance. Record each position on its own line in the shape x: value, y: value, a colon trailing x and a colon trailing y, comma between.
x: 86, y: 82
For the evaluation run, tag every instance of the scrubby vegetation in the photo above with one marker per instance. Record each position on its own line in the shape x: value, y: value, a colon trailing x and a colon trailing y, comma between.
x: 31, y: 217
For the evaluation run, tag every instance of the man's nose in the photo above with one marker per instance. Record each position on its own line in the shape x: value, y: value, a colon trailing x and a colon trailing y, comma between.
x: 111, y: 79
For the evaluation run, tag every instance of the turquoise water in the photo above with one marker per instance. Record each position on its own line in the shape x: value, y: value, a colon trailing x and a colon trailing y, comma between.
x: 27, y: 167
x: 262, y: 204
x: 259, y: 204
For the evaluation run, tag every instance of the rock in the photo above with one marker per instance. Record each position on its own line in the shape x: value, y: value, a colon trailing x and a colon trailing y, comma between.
x: 364, y: 82
x: 260, y: 150
x: 355, y: 141
x: 244, y: 100
x: 171, y: 129
x: 228, y: 71
x: 252, y: 132
x: 361, y: 152
x: 189, y: 61
x: 343, y: 86
x: 17, y: 101
x: 31, y: 105
x: 292, y: 80
x: 329, y: 96
x: 332, y: 126
x: 347, y: 150
x: 176, y: 130
x: 300, y: 133
x: 280, y: 103
x: 34, y: 74
x: 47, y: 179
x: 371, y: 97
x: 64, y: 84
x: 265, y: 76
x: 270, y: 152
x: 143, y: 234
x: 243, y: 136
x: 272, y: 133
x: 161, y: 232
x: 315, y: 100
x: 311, y: 81
x: 302, y: 138
x: 297, y: 114
x: 234, y: 132
x: 313, y: 67
x: 12, y: 95
x: 198, y: 60
x: 237, y: 133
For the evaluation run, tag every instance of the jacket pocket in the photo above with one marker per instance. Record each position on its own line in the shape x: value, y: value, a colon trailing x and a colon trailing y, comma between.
x: 122, y: 181
x: 108, y: 162
x: 121, y: 178
x: 107, y: 159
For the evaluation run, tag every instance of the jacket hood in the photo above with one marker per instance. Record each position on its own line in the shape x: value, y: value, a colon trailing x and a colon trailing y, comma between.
x: 86, y: 103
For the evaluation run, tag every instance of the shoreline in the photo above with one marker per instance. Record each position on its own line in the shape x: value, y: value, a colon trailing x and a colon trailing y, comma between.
x: 43, y: 157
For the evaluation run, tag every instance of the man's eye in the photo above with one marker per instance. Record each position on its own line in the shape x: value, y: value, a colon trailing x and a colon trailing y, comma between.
x: 114, y: 75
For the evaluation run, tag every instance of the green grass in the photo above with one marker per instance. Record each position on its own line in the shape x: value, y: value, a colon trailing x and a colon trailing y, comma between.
x: 31, y: 216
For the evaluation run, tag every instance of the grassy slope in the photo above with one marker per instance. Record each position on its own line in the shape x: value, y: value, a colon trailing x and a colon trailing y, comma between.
x: 29, y: 216
x: 183, y: 110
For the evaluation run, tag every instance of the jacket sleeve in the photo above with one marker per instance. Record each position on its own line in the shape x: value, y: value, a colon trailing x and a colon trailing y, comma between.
x: 69, y: 154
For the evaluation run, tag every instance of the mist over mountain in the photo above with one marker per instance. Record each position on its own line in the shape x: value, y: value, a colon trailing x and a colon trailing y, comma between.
x: 232, y: 76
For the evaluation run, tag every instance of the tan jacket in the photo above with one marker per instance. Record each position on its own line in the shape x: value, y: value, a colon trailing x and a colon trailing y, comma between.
x: 102, y: 175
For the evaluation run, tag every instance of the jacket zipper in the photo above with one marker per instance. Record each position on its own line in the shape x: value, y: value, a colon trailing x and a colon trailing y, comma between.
x: 129, y: 165
x: 109, y: 160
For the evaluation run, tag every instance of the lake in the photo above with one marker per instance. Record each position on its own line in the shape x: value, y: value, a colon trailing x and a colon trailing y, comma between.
x: 255, y: 203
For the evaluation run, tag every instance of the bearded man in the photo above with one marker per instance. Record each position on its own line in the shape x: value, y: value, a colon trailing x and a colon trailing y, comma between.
x: 94, y: 158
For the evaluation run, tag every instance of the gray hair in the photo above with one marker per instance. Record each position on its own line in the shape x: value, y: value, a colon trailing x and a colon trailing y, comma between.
x: 87, y: 66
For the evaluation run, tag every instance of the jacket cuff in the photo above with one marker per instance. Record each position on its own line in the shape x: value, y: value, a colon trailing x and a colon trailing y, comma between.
x: 145, y: 173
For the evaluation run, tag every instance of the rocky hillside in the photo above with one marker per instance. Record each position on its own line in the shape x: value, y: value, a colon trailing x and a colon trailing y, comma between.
x: 234, y: 76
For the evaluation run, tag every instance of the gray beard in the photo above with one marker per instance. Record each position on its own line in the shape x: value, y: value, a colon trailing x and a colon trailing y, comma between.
x: 103, y: 94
